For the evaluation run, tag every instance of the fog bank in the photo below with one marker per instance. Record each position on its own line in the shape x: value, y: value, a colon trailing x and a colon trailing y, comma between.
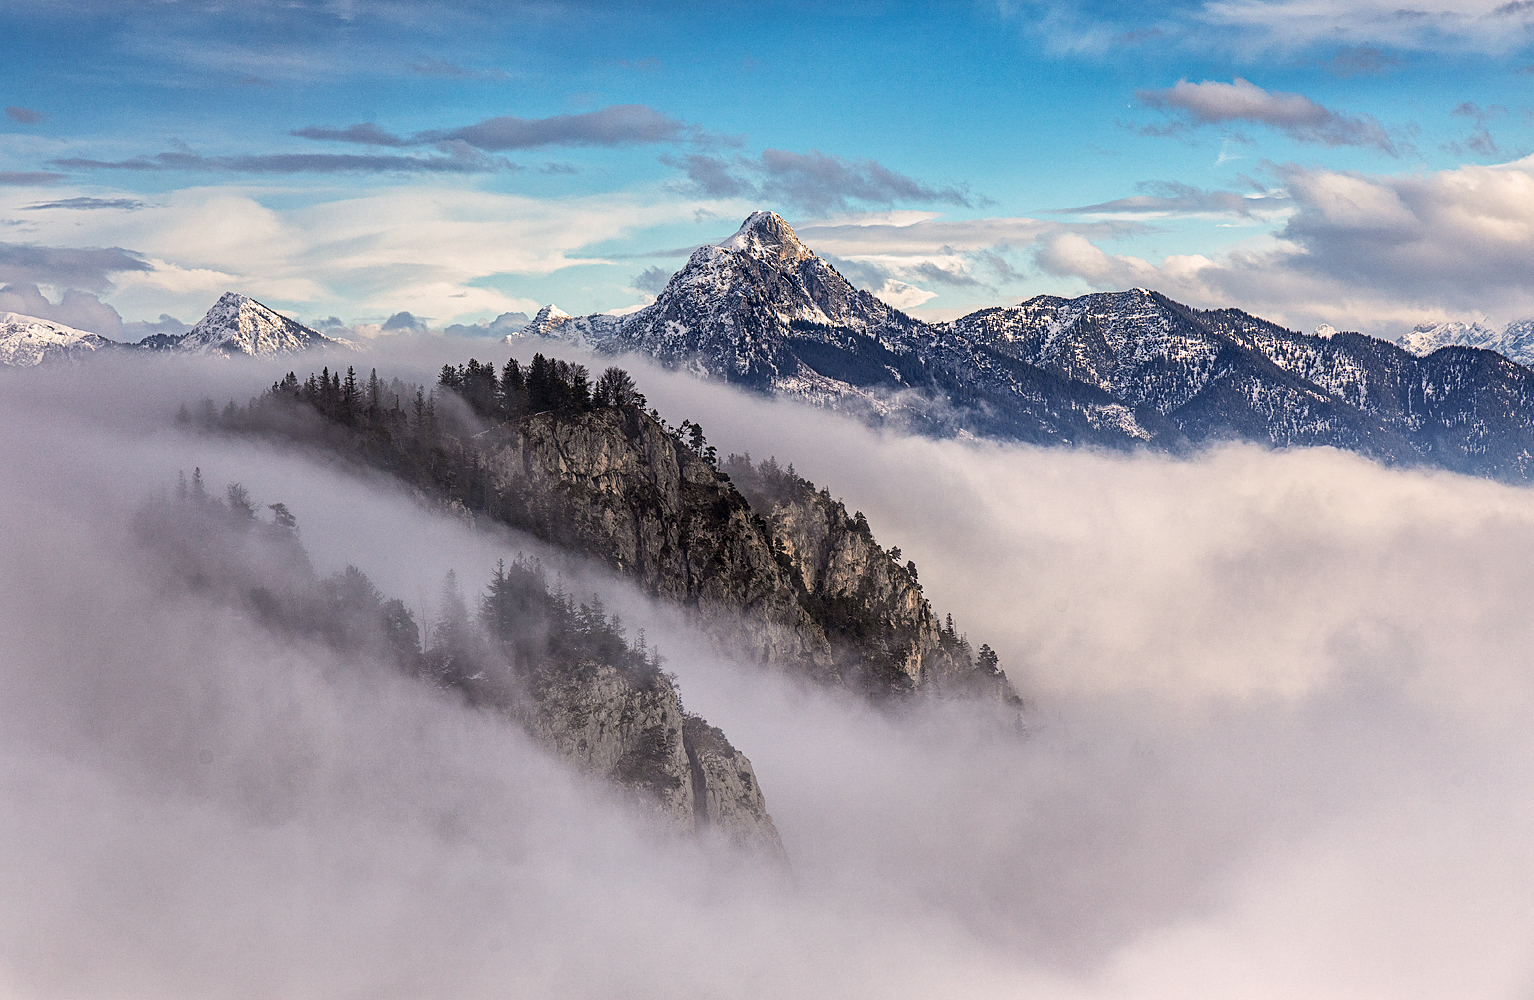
x: 1276, y: 745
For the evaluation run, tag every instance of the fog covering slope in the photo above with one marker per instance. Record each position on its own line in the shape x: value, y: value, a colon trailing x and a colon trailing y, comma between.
x: 1278, y: 744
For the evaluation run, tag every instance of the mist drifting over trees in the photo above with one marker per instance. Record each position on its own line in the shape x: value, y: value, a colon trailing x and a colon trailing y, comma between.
x: 1253, y: 677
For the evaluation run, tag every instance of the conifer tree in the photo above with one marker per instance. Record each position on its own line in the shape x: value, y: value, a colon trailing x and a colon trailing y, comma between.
x: 511, y: 388
x: 579, y: 392
x: 282, y: 517
x: 540, y: 385
x: 616, y: 388
x: 349, y: 398
x: 238, y: 499
x: 452, y: 631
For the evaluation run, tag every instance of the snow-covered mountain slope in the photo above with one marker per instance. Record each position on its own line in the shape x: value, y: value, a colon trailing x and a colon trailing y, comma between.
x: 26, y: 341
x: 238, y: 324
x: 1425, y: 338
x: 1518, y: 341
x: 734, y: 310
x: 1515, y: 341
x: 554, y: 323
x: 763, y: 310
x: 1227, y: 374
x: 1118, y: 369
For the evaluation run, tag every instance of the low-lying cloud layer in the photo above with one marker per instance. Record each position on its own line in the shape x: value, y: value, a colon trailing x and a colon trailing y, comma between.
x: 1277, y: 745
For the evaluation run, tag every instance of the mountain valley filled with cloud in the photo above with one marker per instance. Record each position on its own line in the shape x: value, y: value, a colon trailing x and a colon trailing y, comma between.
x: 673, y: 500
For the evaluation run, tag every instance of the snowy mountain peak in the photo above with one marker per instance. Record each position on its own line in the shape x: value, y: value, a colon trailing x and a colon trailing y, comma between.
x: 556, y: 324
x: 26, y: 341
x: 767, y: 237
x: 238, y: 324
x: 543, y: 324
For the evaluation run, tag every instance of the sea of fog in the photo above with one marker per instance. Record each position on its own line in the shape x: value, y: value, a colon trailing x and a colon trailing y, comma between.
x: 1277, y: 742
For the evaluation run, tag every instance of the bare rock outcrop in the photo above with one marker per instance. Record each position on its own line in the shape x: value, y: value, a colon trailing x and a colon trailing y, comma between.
x: 778, y: 571
x: 634, y: 732
x: 614, y: 484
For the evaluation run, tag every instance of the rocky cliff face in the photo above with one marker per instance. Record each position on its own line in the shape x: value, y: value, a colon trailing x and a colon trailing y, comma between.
x: 614, y: 484
x: 786, y: 576
x: 871, y: 605
x: 566, y: 677
x: 637, y: 735
x: 726, y: 797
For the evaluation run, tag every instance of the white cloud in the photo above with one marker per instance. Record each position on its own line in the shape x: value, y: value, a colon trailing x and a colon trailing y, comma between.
x: 902, y: 295
x: 929, y: 237
x: 1279, y: 743
x: 1369, y: 252
x: 1297, y: 116
x: 422, y: 248
x: 1253, y: 29
x: 1490, y: 26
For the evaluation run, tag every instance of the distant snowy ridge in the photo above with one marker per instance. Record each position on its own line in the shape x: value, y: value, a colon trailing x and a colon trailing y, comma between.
x: 26, y: 341
x: 583, y: 331
x: 1515, y: 341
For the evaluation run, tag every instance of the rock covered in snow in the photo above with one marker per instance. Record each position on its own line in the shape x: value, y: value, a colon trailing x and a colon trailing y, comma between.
x: 238, y: 324
x: 1425, y: 338
x: 26, y: 341
x: 1515, y: 341
x: 554, y: 323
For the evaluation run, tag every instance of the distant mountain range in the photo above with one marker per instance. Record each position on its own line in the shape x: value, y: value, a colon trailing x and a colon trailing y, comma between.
x: 1116, y: 370
x: 237, y: 324
x: 1515, y: 341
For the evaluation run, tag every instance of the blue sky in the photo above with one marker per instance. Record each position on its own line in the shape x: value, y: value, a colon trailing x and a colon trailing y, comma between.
x: 1351, y: 163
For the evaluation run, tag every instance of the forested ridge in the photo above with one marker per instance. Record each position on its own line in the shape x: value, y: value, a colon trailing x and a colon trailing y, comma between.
x: 563, y: 669
x: 581, y: 464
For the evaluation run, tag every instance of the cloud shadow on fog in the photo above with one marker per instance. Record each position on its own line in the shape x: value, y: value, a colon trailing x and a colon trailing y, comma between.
x: 1181, y: 821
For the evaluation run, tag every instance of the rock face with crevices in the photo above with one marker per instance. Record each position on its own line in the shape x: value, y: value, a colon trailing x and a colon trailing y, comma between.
x: 726, y: 797
x: 612, y: 483
x: 787, y: 577
x: 634, y: 733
